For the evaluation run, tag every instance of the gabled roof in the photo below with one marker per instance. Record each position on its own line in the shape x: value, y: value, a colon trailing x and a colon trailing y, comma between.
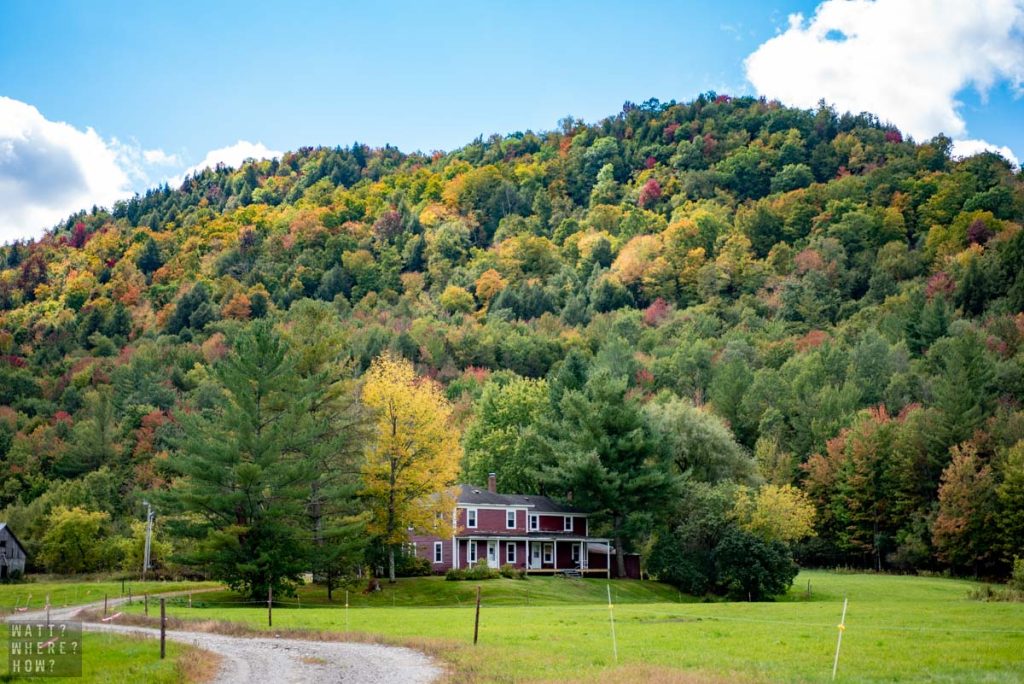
x: 471, y: 494
x: 17, y: 541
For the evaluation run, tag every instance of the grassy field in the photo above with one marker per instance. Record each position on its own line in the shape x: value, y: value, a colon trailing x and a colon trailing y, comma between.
x: 107, y: 658
x: 898, y: 629
x: 73, y: 593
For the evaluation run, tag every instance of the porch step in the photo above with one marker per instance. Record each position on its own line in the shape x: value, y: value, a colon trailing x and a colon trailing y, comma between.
x: 572, y: 573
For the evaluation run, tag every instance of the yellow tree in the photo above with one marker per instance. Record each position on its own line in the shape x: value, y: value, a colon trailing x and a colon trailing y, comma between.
x: 412, y: 458
x: 775, y: 513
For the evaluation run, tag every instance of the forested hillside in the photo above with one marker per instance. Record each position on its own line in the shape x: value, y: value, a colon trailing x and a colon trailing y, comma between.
x: 726, y: 293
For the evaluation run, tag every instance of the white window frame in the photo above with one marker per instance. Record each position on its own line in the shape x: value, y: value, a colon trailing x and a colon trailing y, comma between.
x: 567, y: 523
x: 510, y: 519
x: 438, y: 552
x: 534, y: 523
x: 548, y: 553
x: 471, y: 522
x: 471, y: 552
x: 576, y: 550
x: 510, y: 552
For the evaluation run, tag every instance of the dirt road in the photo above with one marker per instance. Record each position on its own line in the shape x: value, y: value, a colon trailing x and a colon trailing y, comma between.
x: 285, y: 661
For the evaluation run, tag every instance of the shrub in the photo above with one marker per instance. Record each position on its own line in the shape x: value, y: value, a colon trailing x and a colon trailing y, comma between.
x: 412, y: 566
x: 510, y: 571
x: 481, y: 572
x: 477, y: 572
x: 1017, y: 578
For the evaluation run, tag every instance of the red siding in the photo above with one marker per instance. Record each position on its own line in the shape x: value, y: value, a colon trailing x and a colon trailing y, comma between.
x: 490, y: 520
x: 556, y: 523
x: 425, y: 549
x: 598, y: 560
x: 551, y: 523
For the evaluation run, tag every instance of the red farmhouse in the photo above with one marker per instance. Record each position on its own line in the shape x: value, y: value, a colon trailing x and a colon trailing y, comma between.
x: 530, y: 532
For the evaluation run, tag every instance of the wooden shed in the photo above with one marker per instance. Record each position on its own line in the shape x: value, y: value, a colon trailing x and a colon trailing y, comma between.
x: 12, y: 553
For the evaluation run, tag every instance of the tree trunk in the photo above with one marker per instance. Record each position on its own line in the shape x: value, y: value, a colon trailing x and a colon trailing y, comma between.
x: 330, y: 585
x: 620, y: 557
x: 391, y: 564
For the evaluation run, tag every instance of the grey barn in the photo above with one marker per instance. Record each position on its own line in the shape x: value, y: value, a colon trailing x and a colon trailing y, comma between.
x: 12, y: 553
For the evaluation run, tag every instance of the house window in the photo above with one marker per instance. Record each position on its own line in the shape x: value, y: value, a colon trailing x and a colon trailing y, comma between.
x: 510, y: 519
x: 471, y: 551
x: 567, y: 523
x: 470, y: 517
x: 547, y: 553
x: 510, y: 552
x: 575, y: 553
x: 438, y: 552
x: 534, y: 523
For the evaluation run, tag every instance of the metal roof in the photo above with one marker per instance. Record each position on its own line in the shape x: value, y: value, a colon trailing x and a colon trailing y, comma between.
x: 17, y: 541
x: 481, y: 496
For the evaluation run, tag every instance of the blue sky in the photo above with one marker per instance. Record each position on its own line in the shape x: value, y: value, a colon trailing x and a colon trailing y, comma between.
x: 164, y: 87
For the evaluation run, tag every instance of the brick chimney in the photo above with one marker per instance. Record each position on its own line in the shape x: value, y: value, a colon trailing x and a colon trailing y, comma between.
x: 492, y: 483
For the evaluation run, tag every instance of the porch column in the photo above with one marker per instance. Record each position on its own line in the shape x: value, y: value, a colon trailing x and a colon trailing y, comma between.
x: 455, y: 553
x: 555, y: 557
x: 608, y: 565
x: 583, y: 556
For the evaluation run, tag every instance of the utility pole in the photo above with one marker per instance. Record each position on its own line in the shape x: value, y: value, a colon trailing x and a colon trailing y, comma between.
x: 149, y: 539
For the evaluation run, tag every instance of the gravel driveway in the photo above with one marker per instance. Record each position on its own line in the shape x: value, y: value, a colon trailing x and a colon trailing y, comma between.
x: 288, y: 661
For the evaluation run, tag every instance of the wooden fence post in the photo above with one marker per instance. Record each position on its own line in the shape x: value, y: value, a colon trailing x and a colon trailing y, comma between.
x: 104, y: 605
x: 163, y: 628
x: 476, y: 625
x: 145, y: 603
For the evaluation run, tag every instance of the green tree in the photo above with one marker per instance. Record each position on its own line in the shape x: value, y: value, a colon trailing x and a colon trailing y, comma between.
x: 149, y: 259
x: 73, y: 541
x: 697, y: 441
x: 503, y: 437
x: 336, y: 432
x: 244, y: 472
x: 1010, y: 498
x: 603, y: 454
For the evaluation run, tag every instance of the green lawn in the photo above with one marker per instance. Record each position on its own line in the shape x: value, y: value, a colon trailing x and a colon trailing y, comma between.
x: 112, y: 659
x: 419, y: 592
x: 76, y: 592
x: 898, y: 629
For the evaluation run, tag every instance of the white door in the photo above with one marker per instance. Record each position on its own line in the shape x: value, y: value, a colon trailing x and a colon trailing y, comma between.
x: 534, y: 555
x: 492, y: 554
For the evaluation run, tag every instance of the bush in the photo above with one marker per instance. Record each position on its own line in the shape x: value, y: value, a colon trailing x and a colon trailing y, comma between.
x: 510, y: 571
x: 708, y: 553
x: 481, y: 572
x: 1017, y: 578
x: 412, y: 566
x: 477, y: 572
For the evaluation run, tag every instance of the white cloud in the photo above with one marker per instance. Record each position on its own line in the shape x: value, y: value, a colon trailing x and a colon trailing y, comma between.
x: 232, y: 155
x: 903, y: 60
x: 158, y: 157
x: 969, y: 148
x: 49, y: 169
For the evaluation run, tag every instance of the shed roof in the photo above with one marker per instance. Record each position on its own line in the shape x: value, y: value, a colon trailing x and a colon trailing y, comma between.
x: 3, y: 526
